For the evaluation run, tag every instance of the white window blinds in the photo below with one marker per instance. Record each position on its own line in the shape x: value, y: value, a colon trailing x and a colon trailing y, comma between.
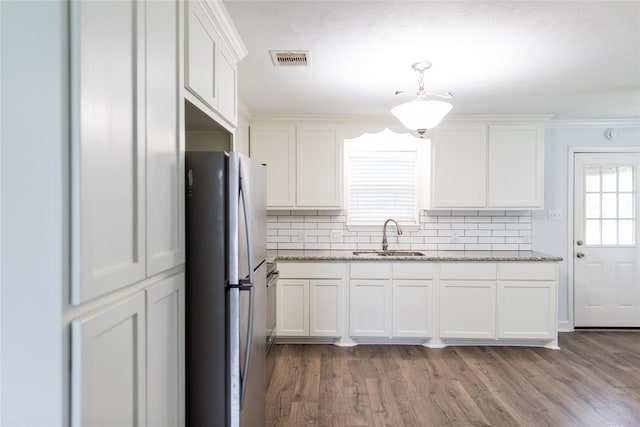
x: 382, y: 182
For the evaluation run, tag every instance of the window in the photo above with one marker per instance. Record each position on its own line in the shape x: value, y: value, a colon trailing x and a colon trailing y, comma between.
x: 609, y: 201
x: 384, y: 178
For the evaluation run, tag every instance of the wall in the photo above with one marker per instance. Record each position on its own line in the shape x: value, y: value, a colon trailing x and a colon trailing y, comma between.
x: 35, y: 256
x: 475, y: 230
x: 551, y: 236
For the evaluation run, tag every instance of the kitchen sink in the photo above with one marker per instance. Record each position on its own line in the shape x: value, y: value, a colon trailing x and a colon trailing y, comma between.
x: 389, y: 253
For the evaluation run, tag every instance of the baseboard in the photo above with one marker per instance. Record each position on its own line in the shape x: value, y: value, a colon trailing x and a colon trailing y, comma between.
x: 564, y: 326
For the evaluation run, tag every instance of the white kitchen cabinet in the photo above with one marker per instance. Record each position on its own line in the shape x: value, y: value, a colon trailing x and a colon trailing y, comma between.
x: 108, y: 372
x: 459, y: 167
x: 468, y: 300
x: 304, y: 164
x: 202, y: 45
x: 516, y: 170
x: 164, y: 147
x: 210, y: 62
x: 310, y: 299
x: 325, y: 307
x: 487, y: 166
x: 412, y: 295
x: 370, y: 298
x: 165, y: 352
x: 107, y: 147
x: 292, y: 308
x: 527, y: 304
x: 275, y: 146
x: 318, y: 167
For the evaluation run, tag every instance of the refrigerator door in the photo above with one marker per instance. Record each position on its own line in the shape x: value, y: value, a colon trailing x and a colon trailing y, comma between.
x: 254, y: 178
x: 247, y: 290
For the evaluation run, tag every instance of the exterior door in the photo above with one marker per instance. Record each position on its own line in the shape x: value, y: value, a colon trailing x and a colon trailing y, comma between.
x: 606, y: 255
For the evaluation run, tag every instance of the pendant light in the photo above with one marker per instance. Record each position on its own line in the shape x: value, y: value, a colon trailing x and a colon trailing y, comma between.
x: 422, y: 114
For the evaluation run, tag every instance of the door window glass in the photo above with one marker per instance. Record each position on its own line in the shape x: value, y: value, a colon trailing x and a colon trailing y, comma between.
x: 609, y: 202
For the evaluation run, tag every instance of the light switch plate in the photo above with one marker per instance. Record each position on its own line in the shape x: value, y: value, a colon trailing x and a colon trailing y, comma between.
x: 554, y: 215
x: 335, y: 236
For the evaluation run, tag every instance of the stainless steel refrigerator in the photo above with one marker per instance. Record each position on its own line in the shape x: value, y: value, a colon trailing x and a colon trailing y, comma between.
x: 226, y: 290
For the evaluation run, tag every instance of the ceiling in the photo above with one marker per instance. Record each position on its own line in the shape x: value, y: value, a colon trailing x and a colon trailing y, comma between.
x: 572, y: 60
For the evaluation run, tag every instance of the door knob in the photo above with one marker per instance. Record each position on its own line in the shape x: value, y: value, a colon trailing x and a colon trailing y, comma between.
x: 579, y: 243
x: 580, y: 255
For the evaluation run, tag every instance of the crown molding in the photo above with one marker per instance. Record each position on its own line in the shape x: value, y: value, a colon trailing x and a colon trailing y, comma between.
x: 594, y: 123
x: 229, y: 33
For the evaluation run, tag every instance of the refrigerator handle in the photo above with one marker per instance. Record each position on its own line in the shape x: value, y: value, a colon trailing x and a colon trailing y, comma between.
x: 247, y: 353
x: 244, y: 193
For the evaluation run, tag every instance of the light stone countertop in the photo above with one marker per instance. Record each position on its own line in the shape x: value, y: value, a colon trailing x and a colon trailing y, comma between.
x: 348, y: 255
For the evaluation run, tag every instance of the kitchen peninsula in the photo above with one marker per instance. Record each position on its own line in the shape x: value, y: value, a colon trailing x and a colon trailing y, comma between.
x: 430, y: 298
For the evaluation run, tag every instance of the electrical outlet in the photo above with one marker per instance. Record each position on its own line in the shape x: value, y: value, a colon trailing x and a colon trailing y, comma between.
x: 301, y: 236
x: 455, y: 236
x: 335, y: 236
x: 526, y: 236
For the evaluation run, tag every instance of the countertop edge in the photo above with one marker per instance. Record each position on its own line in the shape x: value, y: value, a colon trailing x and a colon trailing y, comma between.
x: 430, y: 256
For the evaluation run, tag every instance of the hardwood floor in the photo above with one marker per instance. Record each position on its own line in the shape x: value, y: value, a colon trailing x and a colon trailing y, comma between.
x: 594, y: 380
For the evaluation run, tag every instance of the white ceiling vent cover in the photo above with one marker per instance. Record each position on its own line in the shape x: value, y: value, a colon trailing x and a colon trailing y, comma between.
x: 290, y: 58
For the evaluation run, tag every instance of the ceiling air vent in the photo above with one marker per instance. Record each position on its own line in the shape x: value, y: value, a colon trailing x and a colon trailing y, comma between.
x: 290, y: 58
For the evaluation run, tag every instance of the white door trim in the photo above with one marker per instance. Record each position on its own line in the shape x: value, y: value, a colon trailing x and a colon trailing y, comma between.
x: 570, y: 184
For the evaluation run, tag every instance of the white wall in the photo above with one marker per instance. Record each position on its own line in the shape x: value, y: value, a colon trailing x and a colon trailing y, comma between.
x: 551, y: 236
x: 34, y: 217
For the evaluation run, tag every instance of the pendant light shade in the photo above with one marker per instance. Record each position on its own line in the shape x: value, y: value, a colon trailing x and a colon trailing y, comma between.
x: 422, y: 114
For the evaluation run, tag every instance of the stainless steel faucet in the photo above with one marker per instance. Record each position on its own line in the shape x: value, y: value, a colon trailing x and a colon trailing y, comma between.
x: 385, y: 244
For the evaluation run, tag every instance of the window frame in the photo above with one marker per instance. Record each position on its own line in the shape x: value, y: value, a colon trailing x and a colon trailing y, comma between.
x: 389, y: 141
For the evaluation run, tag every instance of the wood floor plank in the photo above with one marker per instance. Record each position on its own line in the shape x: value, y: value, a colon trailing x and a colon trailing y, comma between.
x: 594, y: 380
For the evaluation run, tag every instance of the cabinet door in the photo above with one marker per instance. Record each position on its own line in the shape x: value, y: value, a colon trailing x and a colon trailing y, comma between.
x: 165, y: 150
x: 165, y: 356
x: 202, y: 44
x: 275, y: 147
x: 459, y: 167
x: 226, y: 83
x: 293, y: 308
x: 325, y: 311
x: 108, y: 366
x: 467, y: 309
x: 526, y: 309
x: 516, y: 155
x: 107, y: 146
x: 319, y: 167
x: 370, y: 308
x: 412, y: 308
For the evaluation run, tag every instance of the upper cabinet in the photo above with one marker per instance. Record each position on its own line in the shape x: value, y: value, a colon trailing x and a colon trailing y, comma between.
x: 494, y: 166
x: 126, y: 142
x: 304, y: 164
x: 212, y: 51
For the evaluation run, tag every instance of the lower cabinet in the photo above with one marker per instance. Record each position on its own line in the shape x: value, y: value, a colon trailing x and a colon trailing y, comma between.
x: 165, y: 355
x: 484, y: 302
x: 467, y: 309
x: 527, y: 301
x: 370, y: 296
x: 126, y: 360
x: 108, y: 372
x: 310, y: 306
x: 391, y: 299
x: 413, y: 304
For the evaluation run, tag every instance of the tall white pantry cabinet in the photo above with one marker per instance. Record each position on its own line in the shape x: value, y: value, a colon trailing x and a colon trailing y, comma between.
x: 127, y: 219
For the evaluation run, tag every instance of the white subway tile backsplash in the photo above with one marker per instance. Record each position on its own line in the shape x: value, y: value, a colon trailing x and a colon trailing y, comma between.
x: 438, y: 230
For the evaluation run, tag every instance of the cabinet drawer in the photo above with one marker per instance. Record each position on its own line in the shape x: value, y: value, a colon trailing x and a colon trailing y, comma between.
x: 468, y: 271
x: 312, y: 270
x: 527, y: 271
x: 370, y: 270
x: 412, y: 270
